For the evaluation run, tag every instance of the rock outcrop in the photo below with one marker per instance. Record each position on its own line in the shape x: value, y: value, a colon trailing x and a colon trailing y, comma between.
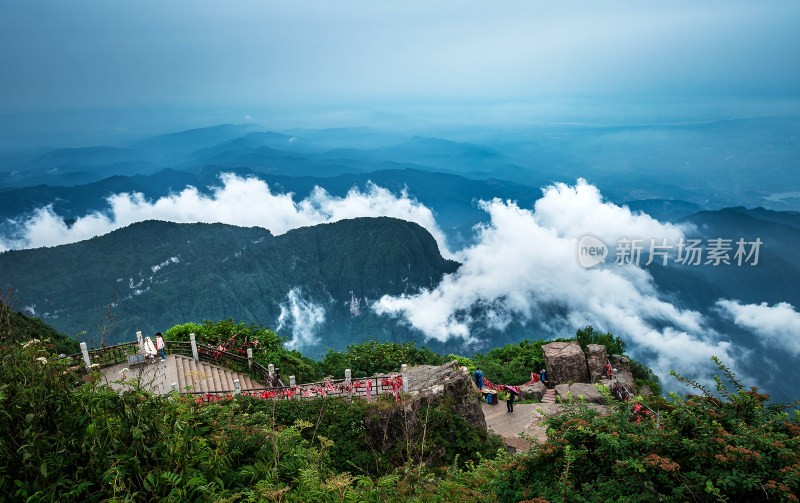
x: 586, y: 390
x: 533, y: 391
x: 433, y: 385
x: 623, y: 373
x: 565, y: 362
x: 596, y: 361
x: 446, y: 388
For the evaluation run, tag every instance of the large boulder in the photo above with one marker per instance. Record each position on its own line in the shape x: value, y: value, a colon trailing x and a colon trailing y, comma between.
x: 565, y: 362
x: 533, y: 391
x: 588, y: 392
x: 623, y: 373
x: 432, y: 384
x: 562, y: 390
x: 596, y: 361
x: 447, y: 388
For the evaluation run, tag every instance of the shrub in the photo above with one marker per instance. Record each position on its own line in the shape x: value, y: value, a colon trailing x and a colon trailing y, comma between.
x: 373, y: 357
x: 723, y: 446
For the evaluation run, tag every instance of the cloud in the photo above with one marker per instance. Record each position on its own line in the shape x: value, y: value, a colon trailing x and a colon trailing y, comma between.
x: 777, y: 325
x: 524, y: 264
x: 238, y: 201
x: 303, y: 317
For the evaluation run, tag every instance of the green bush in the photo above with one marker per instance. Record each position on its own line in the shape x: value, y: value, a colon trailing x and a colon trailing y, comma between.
x: 513, y: 363
x: 723, y: 446
x: 373, y: 357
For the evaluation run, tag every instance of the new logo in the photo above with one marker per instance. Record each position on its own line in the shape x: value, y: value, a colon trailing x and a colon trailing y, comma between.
x: 591, y: 251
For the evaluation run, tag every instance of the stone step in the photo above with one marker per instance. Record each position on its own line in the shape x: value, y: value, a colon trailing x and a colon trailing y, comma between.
x: 218, y: 379
x: 207, y: 377
x: 179, y: 361
x: 228, y: 379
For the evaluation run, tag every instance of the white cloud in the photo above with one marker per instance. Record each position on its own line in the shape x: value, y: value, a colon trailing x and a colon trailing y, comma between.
x: 524, y: 263
x: 777, y: 325
x: 238, y: 201
x: 303, y: 317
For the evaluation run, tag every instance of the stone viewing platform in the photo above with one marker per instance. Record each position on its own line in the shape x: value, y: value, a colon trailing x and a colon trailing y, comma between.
x: 571, y: 372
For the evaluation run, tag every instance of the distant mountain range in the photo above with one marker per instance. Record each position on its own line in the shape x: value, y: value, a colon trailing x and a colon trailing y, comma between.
x: 749, y: 161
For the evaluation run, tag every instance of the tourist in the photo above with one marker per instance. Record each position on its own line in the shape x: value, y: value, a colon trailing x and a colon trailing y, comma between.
x: 150, y: 349
x: 543, y: 378
x: 160, y: 346
x: 479, y: 378
x: 512, y: 394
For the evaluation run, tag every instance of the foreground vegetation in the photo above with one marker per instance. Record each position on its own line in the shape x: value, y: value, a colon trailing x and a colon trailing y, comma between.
x: 68, y: 438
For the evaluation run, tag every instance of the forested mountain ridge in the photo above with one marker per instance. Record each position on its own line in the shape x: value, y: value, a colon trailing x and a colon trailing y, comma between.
x: 158, y: 274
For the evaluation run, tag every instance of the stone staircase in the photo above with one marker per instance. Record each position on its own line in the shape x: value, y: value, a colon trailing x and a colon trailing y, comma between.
x: 549, y: 396
x: 205, y: 377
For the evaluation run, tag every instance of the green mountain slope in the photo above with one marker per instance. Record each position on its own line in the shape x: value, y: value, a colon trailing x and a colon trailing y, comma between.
x: 158, y: 274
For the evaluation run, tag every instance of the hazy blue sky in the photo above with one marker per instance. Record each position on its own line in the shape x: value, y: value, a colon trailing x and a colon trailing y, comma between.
x: 68, y: 55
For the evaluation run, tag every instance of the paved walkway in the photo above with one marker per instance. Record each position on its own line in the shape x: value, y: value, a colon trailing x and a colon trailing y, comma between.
x: 527, y: 419
x: 155, y: 377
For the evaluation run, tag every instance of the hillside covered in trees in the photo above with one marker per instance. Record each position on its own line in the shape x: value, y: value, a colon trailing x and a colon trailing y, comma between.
x: 152, y: 275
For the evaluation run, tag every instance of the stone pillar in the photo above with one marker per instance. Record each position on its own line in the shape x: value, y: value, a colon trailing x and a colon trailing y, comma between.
x: 348, y: 374
x: 293, y: 385
x: 85, y: 352
x: 194, y: 348
x: 404, y: 372
x: 140, y: 341
x: 237, y: 388
x: 250, y: 358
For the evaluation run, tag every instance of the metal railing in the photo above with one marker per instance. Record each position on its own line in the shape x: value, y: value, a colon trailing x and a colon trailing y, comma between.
x: 630, y: 396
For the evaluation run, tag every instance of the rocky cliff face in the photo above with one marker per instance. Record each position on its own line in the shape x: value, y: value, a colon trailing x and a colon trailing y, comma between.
x: 596, y: 361
x: 434, y: 394
x: 623, y: 373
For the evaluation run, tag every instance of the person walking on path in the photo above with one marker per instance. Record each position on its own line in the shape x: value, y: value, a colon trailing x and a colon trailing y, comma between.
x: 160, y: 346
x: 479, y: 378
x: 513, y: 391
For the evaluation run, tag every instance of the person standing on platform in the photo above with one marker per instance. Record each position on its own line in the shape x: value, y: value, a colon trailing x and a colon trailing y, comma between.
x: 160, y: 346
x: 479, y: 382
x: 513, y: 391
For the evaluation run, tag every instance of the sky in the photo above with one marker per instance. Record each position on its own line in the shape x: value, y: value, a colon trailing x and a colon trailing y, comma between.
x: 255, y: 59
